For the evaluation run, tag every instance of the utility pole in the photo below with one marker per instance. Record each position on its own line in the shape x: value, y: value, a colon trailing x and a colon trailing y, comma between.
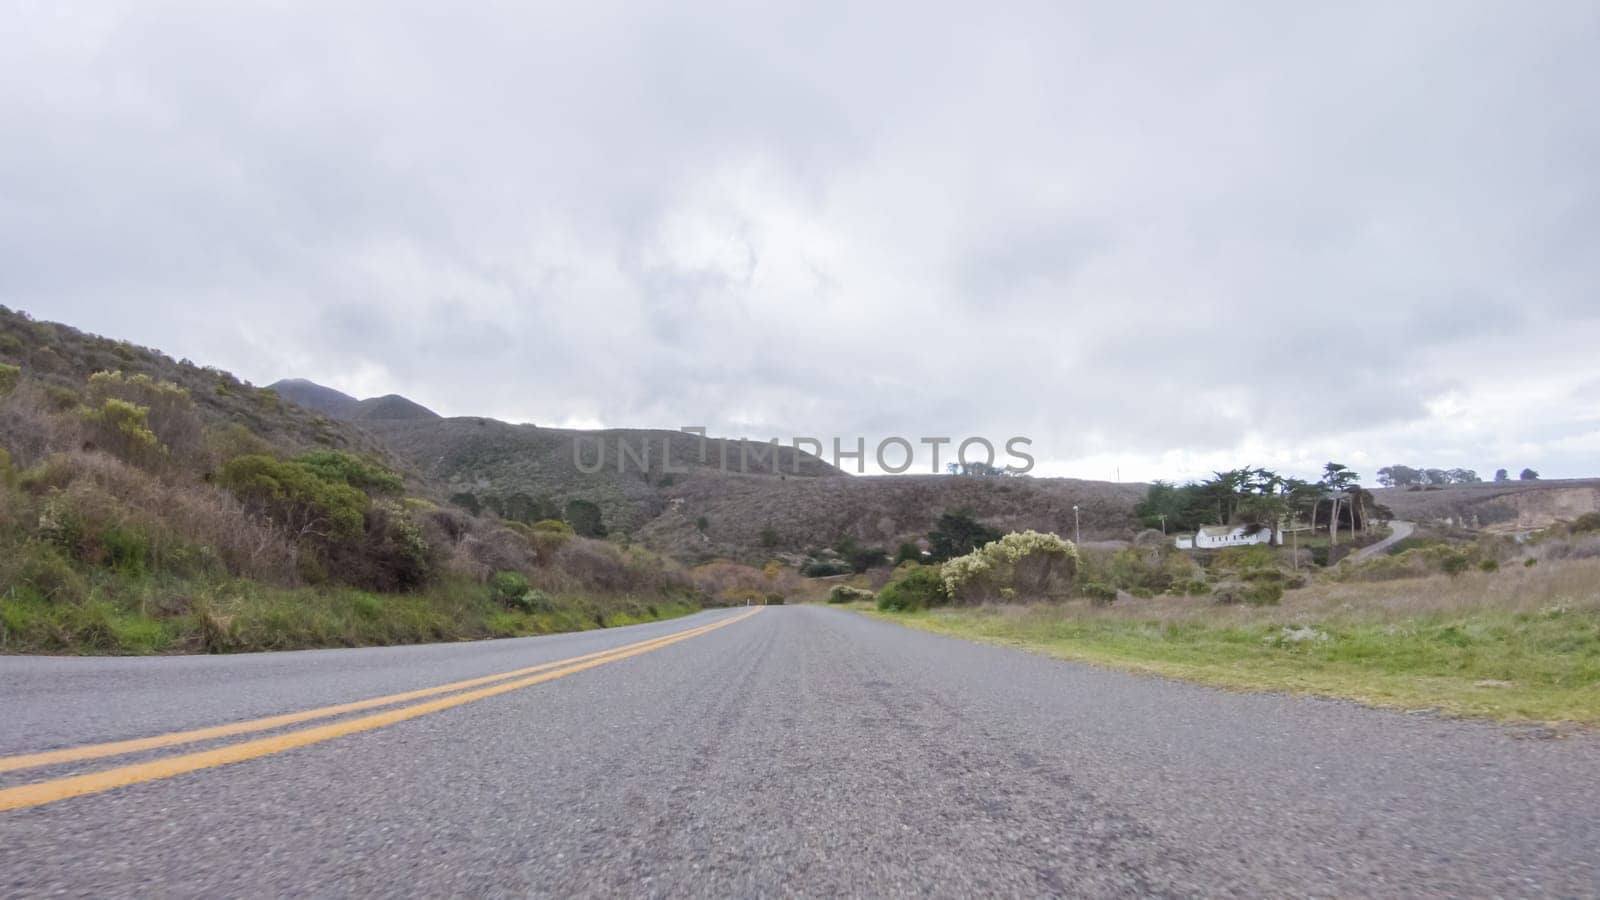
x: 1077, y: 530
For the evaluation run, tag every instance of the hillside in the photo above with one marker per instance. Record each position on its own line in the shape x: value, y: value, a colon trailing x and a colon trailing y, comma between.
x: 748, y: 512
x: 879, y: 511
x: 1505, y: 506
x: 339, y: 405
x: 61, y: 359
x: 149, y: 505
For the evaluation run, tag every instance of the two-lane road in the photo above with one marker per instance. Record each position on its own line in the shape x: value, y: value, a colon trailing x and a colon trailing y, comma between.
x: 789, y: 750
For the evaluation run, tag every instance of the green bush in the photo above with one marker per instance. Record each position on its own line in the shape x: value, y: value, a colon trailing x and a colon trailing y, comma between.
x: 1261, y: 593
x: 907, y: 552
x: 584, y: 517
x: 127, y: 550
x: 956, y: 534
x: 1455, y: 563
x: 9, y: 376
x: 510, y: 589
x: 553, y: 526
x: 297, y: 497
x: 769, y: 537
x: 913, y: 587
x: 1099, y: 594
x: 42, y: 570
x: 1489, y: 565
x: 394, y: 554
x: 844, y: 593
x: 346, y: 468
x: 508, y: 586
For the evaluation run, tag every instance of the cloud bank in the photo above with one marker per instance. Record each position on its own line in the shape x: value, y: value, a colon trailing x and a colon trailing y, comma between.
x: 1155, y: 240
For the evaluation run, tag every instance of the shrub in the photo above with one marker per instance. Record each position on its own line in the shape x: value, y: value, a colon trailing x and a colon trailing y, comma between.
x: 914, y: 587
x: 1455, y: 563
x: 47, y: 573
x: 234, y: 440
x: 1259, y: 594
x: 394, y: 555
x: 345, y: 468
x: 1489, y: 565
x: 768, y: 537
x: 169, y: 413
x: 1030, y: 563
x: 863, y: 558
x: 123, y: 430
x: 956, y: 534
x: 9, y: 377
x: 825, y: 568
x: 1099, y: 594
x: 297, y: 498
x: 508, y: 588
x: 467, y: 501
x: 584, y: 517
x: 553, y: 526
x: 520, y: 507
x: 1585, y: 522
x: 844, y: 593
x: 907, y: 552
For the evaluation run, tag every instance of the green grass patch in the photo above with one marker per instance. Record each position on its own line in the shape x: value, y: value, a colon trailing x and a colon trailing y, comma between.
x: 125, y: 616
x: 1501, y: 664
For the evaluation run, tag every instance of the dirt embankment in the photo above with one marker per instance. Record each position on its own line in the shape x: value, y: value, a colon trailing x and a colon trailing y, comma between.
x: 1504, y: 507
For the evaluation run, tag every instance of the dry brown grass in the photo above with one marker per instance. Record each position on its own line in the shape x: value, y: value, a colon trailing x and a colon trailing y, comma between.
x: 101, y: 493
x: 1515, y: 589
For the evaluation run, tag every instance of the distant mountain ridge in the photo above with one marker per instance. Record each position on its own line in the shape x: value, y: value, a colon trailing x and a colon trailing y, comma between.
x: 339, y: 405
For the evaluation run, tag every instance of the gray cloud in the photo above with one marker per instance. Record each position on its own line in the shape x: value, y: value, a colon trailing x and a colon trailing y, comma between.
x: 1164, y: 240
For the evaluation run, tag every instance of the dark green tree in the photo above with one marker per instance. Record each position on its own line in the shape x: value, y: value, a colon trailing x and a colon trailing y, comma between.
x: 957, y: 533
x: 584, y: 517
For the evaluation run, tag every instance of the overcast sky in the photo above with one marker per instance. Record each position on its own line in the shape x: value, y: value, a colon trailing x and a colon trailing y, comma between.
x: 1156, y: 239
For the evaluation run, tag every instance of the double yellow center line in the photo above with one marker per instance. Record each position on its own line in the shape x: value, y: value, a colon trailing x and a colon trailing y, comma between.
x: 470, y: 690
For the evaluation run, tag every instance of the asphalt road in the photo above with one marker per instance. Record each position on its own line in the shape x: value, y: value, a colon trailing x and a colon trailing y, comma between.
x: 801, y: 750
x: 1398, y: 531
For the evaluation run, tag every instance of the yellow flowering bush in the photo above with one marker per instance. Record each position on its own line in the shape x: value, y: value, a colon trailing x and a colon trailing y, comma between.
x: 1026, y: 565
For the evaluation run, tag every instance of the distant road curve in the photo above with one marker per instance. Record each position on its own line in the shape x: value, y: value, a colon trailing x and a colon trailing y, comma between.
x: 1401, y: 531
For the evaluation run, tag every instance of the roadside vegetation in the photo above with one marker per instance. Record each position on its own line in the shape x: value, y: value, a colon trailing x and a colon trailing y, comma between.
x: 138, y: 517
x: 1460, y: 622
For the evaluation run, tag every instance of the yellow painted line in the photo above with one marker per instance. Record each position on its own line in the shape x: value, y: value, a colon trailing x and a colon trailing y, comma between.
x: 135, y: 745
x: 95, y: 782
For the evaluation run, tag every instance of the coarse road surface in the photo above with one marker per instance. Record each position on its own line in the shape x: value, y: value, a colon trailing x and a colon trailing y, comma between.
x: 789, y: 750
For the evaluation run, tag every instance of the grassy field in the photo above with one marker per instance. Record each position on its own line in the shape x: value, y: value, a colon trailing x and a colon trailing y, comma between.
x: 1516, y: 645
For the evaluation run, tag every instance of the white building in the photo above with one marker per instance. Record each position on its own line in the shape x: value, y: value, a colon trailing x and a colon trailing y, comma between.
x: 1212, y: 537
